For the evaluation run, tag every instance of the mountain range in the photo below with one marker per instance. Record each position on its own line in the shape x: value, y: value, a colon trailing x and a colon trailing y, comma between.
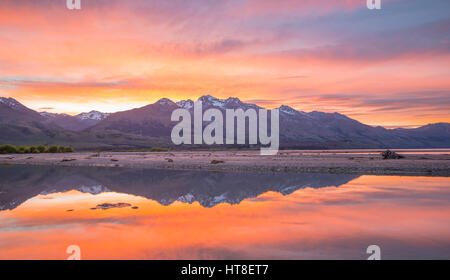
x: 75, y: 123
x: 151, y: 126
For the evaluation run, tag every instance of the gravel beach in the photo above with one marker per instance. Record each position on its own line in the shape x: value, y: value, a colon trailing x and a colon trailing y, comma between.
x: 354, y: 162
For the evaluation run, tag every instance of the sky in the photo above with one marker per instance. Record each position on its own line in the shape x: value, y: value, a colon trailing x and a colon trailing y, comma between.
x: 386, y: 67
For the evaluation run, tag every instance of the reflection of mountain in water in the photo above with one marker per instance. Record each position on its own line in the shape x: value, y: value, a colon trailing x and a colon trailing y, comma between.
x: 20, y: 183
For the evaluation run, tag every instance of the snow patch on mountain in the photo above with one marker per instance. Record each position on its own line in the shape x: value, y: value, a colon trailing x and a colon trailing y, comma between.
x: 165, y: 101
x: 288, y: 110
x: 47, y: 114
x: 212, y: 101
x: 52, y: 115
x: 11, y: 102
x: 187, y: 198
x: 220, y: 198
x: 96, y: 189
x: 93, y: 115
x: 185, y: 104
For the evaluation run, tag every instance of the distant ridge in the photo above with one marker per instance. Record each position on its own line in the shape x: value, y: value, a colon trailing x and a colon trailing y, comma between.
x: 150, y: 125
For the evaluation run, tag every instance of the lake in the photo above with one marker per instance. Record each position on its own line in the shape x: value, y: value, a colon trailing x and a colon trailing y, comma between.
x: 124, y: 213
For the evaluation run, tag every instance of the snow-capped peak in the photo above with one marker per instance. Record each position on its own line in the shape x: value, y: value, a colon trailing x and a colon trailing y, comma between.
x: 233, y: 100
x: 213, y: 101
x: 185, y: 104
x: 10, y: 102
x: 93, y: 115
x: 165, y: 101
x: 287, y: 110
x: 208, y: 98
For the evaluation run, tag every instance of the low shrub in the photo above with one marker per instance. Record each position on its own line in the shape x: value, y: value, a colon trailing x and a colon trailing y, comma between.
x: 41, y: 149
x: 53, y: 149
x: 8, y: 149
x: 157, y: 149
x: 11, y: 149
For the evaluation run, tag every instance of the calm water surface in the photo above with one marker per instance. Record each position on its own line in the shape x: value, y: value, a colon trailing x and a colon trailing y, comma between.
x: 115, y: 213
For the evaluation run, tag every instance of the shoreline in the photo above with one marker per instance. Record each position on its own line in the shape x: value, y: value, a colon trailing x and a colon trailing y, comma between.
x: 245, y: 161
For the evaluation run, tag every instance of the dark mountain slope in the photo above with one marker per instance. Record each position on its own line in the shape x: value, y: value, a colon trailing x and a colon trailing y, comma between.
x: 150, y: 125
